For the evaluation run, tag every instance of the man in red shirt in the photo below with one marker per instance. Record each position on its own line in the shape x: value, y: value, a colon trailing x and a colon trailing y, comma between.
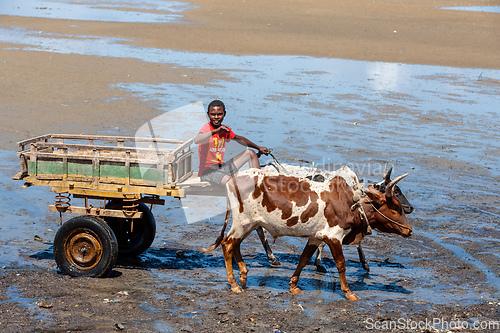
x: 212, y: 140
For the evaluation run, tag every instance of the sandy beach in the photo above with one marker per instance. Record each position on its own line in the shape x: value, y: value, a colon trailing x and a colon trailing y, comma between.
x: 71, y: 90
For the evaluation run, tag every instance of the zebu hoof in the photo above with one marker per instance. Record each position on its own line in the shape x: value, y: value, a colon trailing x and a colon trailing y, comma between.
x: 365, y: 266
x: 275, y: 263
x: 295, y: 290
x: 321, y: 269
x: 236, y: 289
x: 351, y: 296
x: 243, y: 281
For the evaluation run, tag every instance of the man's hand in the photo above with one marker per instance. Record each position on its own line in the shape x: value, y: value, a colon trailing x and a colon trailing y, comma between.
x: 202, y: 137
x: 264, y: 150
x: 222, y: 129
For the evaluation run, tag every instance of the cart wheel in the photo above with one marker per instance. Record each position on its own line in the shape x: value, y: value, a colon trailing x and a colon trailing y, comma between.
x: 85, y: 246
x: 135, y: 242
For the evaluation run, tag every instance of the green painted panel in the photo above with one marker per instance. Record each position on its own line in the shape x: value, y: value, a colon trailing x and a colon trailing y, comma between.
x: 80, y: 169
x: 31, y: 168
x: 120, y: 171
x: 109, y: 170
x: 105, y: 170
x: 150, y: 174
x: 47, y: 168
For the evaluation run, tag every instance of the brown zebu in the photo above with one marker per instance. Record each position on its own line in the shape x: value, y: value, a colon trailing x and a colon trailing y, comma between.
x: 381, y: 186
x: 352, y: 179
x: 331, y: 212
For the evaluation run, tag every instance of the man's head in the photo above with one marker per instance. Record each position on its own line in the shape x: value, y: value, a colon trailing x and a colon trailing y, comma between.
x: 216, y: 112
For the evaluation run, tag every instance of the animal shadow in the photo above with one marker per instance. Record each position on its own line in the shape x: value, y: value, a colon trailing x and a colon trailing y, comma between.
x: 357, y: 277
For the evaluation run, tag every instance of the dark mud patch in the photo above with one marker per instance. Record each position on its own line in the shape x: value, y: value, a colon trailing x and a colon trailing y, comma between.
x: 148, y: 301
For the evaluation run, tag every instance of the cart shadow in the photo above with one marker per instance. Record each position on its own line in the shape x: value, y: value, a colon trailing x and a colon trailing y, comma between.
x: 358, y: 278
x: 170, y: 258
x: 47, y: 254
x: 175, y: 258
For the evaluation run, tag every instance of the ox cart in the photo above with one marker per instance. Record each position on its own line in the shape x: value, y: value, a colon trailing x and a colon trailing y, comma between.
x: 115, y: 178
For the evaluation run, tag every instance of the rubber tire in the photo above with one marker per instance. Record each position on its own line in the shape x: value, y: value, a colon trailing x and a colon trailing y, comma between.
x: 135, y: 243
x: 88, y: 232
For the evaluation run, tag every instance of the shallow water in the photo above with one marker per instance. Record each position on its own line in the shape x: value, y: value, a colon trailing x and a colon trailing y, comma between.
x: 98, y: 10
x: 323, y: 108
x: 438, y: 123
x: 483, y: 9
x: 30, y: 304
x: 23, y: 214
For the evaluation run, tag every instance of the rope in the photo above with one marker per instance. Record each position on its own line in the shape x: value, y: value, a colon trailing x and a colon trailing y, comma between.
x: 278, y: 163
x: 358, y: 200
x: 388, y: 219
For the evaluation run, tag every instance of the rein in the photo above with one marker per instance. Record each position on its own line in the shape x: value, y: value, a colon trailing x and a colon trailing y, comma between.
x: 278, y: 163
x: 269, y: 152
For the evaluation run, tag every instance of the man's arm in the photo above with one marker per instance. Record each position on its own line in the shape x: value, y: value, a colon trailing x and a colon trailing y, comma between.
x: 244, y: 141
x: 202, y: 137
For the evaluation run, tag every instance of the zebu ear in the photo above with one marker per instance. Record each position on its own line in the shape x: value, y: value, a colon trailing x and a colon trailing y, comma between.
x: 375, y: 195
x: 389, y: 190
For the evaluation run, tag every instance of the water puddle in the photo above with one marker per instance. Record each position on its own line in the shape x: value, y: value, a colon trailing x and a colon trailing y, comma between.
x: 482, y: 9
x: 29, y: 304
x: 24, y: 217
x: 163, y: 326
x: 150, y: 11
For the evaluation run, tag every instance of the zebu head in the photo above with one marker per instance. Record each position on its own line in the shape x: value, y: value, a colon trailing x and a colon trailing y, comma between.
x: 387, y: 212
x: 407, y: 207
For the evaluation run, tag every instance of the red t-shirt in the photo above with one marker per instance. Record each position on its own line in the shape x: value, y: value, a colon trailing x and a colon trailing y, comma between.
x: 211, y: 152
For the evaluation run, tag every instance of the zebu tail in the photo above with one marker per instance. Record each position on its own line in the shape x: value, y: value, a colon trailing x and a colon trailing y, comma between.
x: 220, y: 238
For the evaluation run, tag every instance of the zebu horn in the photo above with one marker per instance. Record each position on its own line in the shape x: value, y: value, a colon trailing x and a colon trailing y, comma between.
x: 387, y: 176
x: 390, y: 187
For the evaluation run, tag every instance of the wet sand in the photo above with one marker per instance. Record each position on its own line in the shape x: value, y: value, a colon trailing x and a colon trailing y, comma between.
x: 440, y: 124
x: 72, y: 90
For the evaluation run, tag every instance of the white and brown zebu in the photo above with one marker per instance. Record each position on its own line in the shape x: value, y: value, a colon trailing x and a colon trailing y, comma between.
x: 331, y: 212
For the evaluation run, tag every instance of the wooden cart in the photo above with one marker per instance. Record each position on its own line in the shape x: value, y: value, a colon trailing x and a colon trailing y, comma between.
x: 115, y: 177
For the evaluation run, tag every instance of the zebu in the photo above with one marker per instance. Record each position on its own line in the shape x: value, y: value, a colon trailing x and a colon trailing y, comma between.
x: 331, y: 212
x: 381, y: 186
x: 352, y: 179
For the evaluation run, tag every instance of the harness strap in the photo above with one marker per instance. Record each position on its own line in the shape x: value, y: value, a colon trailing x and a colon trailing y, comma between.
x: 358, y: 200
x: 357, y: 204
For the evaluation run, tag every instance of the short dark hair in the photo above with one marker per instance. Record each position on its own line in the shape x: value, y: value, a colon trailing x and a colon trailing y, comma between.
x: 214, y: 103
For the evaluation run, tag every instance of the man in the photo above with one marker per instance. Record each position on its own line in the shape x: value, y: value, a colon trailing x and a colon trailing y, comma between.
x: 212, y: 140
